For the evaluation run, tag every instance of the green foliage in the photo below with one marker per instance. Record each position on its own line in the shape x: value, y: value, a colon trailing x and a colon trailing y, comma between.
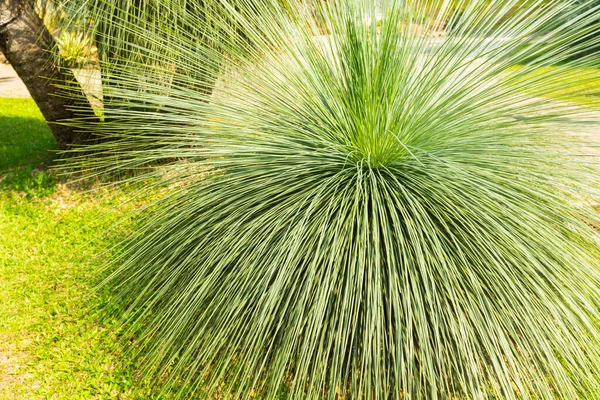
x: 591, y: 42
x: 373, y: 214
x: 76, y: 48
x: 159, y: 28
x: 70, y: 25
x: 52, y: 13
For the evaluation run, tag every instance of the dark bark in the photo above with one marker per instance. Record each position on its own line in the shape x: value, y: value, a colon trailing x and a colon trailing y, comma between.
x: 27, y: 45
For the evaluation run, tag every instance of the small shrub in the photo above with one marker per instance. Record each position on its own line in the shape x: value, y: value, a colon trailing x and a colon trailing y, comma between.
x: 76, y: 48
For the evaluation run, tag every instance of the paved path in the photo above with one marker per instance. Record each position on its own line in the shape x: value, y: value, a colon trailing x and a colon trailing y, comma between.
x: 10, y: 84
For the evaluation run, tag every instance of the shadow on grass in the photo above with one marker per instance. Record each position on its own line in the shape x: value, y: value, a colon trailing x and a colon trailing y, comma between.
x: 26, y: 149
x: 24, y: 141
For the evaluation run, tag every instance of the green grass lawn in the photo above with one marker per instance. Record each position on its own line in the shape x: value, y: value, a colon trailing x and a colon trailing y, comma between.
x: 583, y: 85
x: 53, y: 343
x: 24, y: 133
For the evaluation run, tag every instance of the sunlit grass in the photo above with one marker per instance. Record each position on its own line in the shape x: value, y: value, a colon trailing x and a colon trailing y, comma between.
x: 577, y: 85
x: 53, y: 341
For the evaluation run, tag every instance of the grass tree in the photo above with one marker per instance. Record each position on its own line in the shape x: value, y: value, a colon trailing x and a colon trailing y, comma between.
x: 165, y: 34
x: 374, y: 213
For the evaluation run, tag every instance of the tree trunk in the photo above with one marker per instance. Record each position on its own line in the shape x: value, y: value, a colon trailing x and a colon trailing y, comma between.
x: 27, y: 45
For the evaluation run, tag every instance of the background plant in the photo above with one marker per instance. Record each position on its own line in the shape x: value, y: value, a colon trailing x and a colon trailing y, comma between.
x: 75, y: 48
x: 69, y: 24
x: 371, y: 214
x: 52, y: 13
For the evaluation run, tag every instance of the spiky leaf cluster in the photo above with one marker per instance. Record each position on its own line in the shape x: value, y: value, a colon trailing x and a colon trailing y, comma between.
x: 362, y: 207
